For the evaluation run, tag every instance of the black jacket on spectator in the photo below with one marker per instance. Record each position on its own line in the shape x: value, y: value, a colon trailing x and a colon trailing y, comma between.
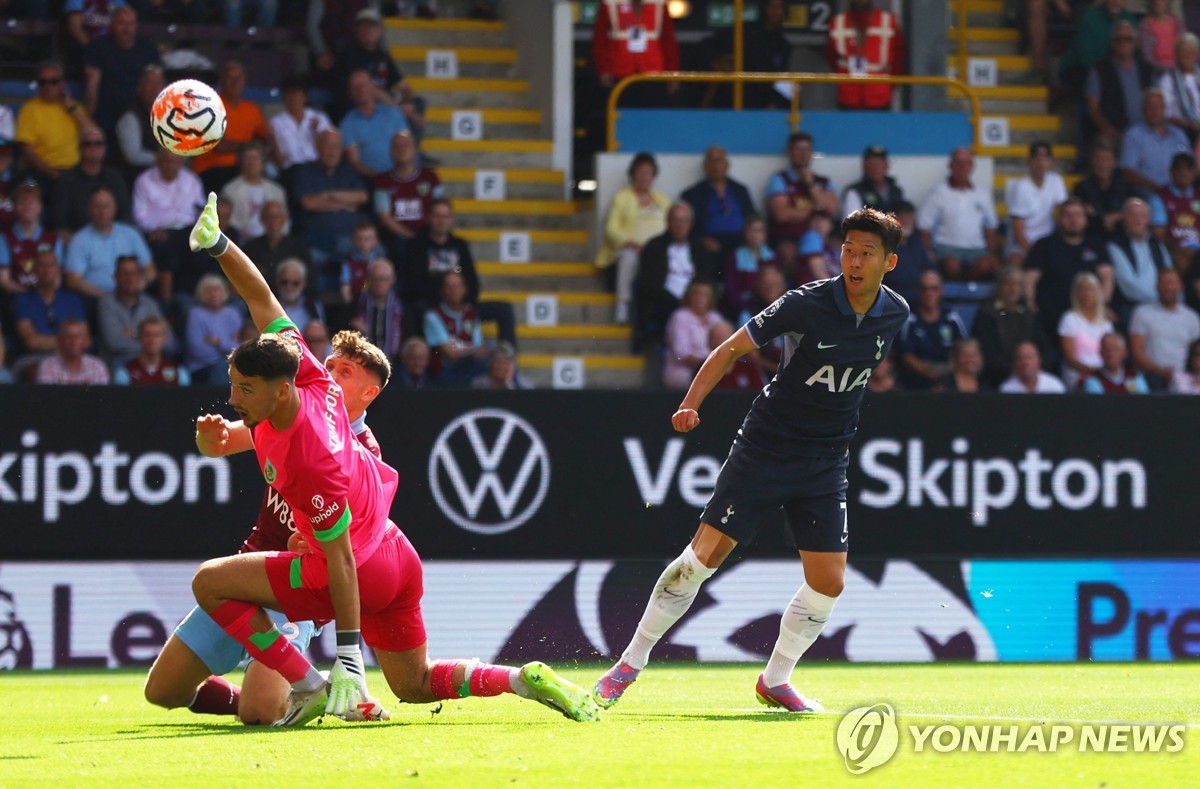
x: 268, y: 258
x: 999, y: 331
x: 425, y: 261
x: 73, y: 191
x: 654, y: 302
x: 1104, y: 201
x: 871, y: 197
x: 1112, y: 99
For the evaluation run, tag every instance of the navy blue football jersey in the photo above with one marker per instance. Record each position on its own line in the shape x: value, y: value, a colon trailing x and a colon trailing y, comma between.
x: 811, y: 405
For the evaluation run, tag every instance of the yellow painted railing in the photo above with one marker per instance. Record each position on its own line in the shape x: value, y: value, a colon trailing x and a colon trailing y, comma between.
x: 960, y: 39
x: 796, y: 80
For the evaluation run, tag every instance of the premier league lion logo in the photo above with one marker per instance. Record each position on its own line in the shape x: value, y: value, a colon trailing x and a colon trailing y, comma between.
x: 16, y: 650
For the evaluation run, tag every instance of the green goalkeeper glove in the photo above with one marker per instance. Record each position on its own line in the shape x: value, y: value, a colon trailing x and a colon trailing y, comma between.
x: 207, y: 232
x: 348, y: 679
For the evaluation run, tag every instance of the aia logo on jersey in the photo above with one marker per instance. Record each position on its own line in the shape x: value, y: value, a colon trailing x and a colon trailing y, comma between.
x: 16, y: 650
x: 848, y: 381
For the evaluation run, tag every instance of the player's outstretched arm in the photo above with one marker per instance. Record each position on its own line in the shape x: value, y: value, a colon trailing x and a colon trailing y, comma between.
x: 348, y: 679
x: 715, y: 367
x: 217, y: 437
x: 245, y: 277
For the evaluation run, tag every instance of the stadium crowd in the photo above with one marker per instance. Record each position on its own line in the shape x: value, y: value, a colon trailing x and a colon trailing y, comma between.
x: 336, y: 204
x: 1094, y: 289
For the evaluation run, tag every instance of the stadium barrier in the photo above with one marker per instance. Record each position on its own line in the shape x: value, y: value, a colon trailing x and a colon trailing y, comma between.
x: 113, y: 474
x: 982, y: 528
x: 118, y: 614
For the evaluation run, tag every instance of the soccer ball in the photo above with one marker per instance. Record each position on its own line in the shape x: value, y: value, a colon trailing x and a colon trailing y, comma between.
x: 188, y: 118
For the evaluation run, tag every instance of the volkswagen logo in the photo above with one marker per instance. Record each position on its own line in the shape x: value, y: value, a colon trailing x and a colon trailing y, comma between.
x: 489, y: 471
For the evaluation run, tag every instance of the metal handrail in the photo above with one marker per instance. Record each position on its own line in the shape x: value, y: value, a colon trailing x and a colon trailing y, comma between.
x: 796, y: 79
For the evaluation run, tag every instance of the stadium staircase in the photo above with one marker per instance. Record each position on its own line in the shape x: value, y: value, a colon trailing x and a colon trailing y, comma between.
x: 1020, y: 95
x: 489, y: 81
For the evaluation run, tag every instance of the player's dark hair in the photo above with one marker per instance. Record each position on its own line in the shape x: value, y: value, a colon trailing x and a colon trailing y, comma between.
x: 270, y: 357
x: 354, y: 346
x: 440, y: 201
x: 868, y: 220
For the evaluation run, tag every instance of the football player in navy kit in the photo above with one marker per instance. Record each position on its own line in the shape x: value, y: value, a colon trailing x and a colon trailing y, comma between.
x: 790, y: 452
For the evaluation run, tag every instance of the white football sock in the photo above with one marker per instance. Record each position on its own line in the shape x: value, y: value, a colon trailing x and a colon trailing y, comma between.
x: 803, y: 620
x: 311, y: 681
x: 673, y: 594
x: 519, y: 685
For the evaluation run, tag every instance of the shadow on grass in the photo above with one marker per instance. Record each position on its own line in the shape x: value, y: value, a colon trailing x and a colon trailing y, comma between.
x: 733, y: 717
x: 159, y: 731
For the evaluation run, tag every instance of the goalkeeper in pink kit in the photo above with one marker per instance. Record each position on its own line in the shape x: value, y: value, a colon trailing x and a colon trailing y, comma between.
x: 360, y: 570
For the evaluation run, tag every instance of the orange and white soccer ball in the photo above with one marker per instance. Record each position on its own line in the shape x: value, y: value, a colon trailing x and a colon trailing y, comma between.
x: 188, y: 118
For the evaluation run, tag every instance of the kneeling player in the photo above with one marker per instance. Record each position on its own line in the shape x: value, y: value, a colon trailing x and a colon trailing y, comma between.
x: 790, y: 453
x: 340, y: 496
x: 188, y: 672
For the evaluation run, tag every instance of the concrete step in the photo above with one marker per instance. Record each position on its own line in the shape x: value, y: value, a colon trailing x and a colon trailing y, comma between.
x: 465, y: 190
x: 571, y: 338
x: 445, y: 33
x: 472, y: 93
x: 1025, y: 129
x: 472, y: 62
x: 483, y: 220
x: 491, y: 131
x: 981, y: 13
x: 600, y: 372
x: 498, y: 124
x: 546, y: 277
x: 573, y: 307
x: 1012, y: 69
x: 1007, y: 35
x: 999, y: 106
x: 1066, y: 153
x: 523, y: 184
x: 491, y: 154
x: 545, y: 245
x: 545, y: 214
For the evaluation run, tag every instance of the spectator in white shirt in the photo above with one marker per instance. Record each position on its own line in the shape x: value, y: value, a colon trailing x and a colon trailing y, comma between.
x: 1028, y: 376
x: 1031, y: 202
x: 166, y: 200
x: 1081, y: 329
x: 250, y: 191
x: 1181, y: 86
x: 296, y: 128
x: 958, y: 222
x: 1161, y: 333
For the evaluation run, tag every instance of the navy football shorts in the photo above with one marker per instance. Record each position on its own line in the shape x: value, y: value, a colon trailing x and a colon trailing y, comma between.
x: 811, y: 491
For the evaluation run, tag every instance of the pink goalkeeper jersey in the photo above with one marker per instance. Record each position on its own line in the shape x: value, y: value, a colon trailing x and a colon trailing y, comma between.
x: 318, y: 466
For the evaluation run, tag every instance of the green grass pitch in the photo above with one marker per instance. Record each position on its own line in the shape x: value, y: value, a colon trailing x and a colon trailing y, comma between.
x: 680, y: 726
